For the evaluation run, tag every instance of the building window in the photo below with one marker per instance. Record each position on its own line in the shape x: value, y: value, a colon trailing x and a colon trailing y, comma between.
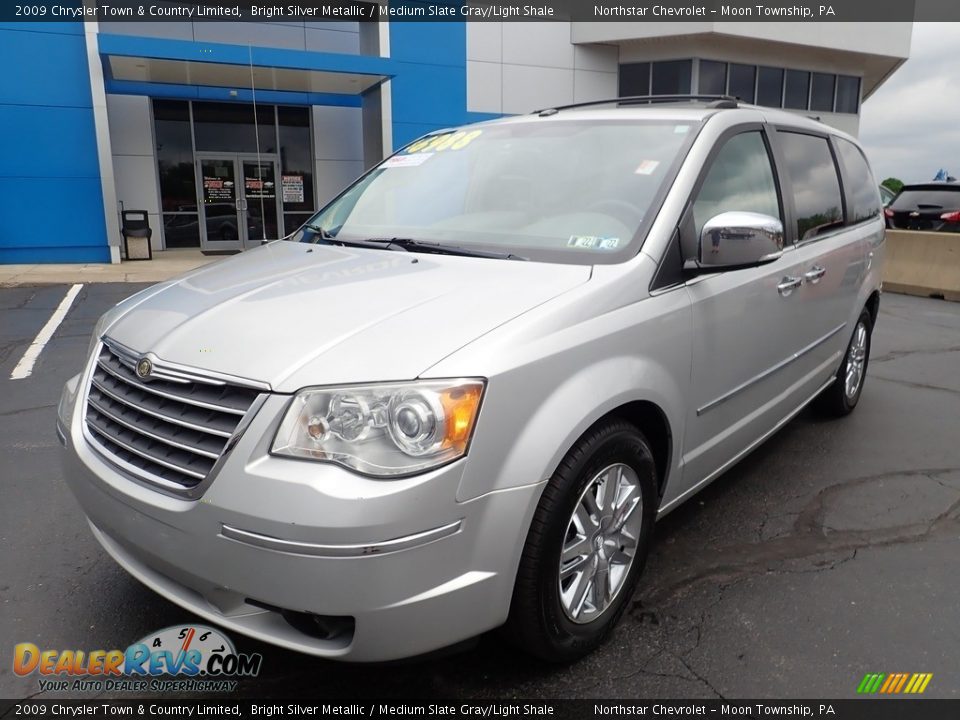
x: 634, y: 79
x: 281, y: 135
x: 671, y: 77
x: 230, y: 127
x: 743, y: 80
x: 770, y: 87
x: 175, y: 155
x: 797, y: 92
x: 816, y: 186
x: 848, y: 94
x: 178, y: 187
x: 713, y: 77
x: 821, y: 92
x: 296, y: 166
x: 766, y: 86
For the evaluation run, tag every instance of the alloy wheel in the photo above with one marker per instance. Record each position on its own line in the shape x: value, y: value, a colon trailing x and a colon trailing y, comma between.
x: 856, y: 361
x: 600, y: 543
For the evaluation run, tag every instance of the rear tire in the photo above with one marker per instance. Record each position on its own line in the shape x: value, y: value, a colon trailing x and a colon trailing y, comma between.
x: 579, y: 568
x: 844, y: 393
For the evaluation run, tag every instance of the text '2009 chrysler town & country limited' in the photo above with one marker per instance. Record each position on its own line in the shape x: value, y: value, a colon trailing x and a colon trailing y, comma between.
x: 460, y: 396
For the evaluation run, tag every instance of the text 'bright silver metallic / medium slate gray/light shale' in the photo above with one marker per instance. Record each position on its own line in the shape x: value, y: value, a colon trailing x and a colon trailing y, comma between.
x: 460, y: 396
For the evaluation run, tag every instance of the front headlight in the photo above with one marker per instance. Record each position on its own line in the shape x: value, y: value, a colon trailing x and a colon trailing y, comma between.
x: 384, y: 429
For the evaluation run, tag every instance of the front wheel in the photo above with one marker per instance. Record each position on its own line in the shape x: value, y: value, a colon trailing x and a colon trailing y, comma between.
x: 844, y: 393
x: 587, y: 544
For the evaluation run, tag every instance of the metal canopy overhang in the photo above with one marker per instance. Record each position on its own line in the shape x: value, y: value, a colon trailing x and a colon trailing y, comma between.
x: 176, y: 62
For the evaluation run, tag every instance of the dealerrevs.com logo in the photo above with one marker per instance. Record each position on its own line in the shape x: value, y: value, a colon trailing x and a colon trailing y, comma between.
x: 178, y: 658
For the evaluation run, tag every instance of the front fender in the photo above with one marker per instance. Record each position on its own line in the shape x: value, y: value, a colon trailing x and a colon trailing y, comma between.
x: 532, y: 414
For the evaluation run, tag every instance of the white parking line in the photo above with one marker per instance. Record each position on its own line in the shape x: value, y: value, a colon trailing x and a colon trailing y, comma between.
x: 25, y: 367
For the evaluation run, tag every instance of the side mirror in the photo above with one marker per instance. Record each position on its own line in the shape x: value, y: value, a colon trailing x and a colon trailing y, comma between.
x: 739, y: 239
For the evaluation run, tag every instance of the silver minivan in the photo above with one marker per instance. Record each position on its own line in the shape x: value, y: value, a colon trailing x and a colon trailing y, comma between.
x: 461, y: 395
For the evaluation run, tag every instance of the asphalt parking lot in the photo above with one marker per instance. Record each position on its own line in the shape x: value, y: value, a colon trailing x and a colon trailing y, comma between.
x: 830, y: 552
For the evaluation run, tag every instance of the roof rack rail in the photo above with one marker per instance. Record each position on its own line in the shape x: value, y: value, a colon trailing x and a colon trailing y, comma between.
x: 714, y: 101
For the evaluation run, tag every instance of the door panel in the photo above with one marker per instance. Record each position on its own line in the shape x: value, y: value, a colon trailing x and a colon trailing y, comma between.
x: 743, y: 380
x: 220, y: 225
x: 833, y: 270
x: 260, y: 200
x: 831, y: 254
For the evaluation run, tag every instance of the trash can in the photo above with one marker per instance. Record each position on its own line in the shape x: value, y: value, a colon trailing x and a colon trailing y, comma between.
x: 136, y: 235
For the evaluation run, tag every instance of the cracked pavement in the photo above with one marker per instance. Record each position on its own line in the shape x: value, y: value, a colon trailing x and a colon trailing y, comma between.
x: 830, y: 552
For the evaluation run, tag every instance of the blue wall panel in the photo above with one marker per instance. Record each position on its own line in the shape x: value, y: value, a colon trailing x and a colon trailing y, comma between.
x: 429, y: 91
x: 50, y: 193
x: 44, y: 68
x: 64, y: 146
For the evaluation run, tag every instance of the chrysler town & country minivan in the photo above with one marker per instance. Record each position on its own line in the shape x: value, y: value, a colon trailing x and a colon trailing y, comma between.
x: 461, y: 395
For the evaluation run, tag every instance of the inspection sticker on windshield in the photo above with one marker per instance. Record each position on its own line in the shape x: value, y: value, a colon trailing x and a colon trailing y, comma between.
x: 647, y: 167
x: 593, y: 242
x: 406, y: 160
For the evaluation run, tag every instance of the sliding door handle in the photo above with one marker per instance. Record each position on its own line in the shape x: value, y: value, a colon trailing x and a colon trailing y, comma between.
x: 788, y: 284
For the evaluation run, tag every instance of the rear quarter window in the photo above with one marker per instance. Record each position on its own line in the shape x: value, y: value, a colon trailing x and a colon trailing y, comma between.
x: 863, y: 194
x: 815, y: 183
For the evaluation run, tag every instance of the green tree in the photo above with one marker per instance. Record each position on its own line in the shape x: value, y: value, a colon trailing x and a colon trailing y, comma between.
x: 893, y: 183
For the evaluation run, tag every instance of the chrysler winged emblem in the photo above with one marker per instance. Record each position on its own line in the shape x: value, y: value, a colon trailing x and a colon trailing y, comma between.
x: 144, y: 368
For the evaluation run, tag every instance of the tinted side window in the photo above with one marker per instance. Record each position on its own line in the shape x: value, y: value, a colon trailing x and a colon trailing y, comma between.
x: 816, y: 186
x: 863, y: 195
x: 740, y: 178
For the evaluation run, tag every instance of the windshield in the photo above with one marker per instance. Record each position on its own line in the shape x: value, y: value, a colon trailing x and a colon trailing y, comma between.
x: 561, y: 191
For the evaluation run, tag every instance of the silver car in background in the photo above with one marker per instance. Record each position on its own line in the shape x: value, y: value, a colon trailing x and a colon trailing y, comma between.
x: 462, y: 394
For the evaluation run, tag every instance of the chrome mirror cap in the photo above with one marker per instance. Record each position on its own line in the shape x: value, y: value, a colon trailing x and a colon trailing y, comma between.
x: 737, y: 239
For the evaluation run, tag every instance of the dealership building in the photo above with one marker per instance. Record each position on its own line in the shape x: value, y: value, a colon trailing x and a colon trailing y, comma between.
x: 227, y: 133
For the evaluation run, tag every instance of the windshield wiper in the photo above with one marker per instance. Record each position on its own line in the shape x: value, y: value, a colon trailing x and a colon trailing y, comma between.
x: 411, y: 245
x: 326, y: 236
x: 408, y: 244
x: 320, y: 232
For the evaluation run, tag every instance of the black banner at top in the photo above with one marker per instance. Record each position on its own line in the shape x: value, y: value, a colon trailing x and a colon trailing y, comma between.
x: 480, y: 10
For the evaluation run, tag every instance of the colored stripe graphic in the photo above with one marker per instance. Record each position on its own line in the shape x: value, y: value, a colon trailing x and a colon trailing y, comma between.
x: 894, y: 683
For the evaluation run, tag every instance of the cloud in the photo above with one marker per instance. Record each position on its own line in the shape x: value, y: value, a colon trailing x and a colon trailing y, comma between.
x: 910, y: 127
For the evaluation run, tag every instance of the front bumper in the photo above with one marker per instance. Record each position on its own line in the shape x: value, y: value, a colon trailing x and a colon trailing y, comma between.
x: 401, y: 562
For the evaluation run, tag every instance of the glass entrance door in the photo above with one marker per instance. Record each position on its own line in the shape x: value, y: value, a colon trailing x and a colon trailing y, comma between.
x: 238, y: 200
x: 260, y: 199
x: 220, y: 204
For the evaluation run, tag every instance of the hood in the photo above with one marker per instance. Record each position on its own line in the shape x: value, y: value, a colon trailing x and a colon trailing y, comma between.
x: 294, y: 315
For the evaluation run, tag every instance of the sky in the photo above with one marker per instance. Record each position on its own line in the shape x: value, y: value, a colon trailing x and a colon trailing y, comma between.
x: 910, y: 127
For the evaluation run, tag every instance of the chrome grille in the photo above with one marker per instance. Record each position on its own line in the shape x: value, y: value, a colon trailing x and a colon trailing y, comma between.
x: 172, y: 427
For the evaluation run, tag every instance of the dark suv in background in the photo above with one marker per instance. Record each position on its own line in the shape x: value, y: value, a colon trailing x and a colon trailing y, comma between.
x: 933, y: 206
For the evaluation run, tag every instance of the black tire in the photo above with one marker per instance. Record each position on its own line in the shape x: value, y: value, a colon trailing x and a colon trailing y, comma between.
x: 538, y: 622
x: 835, y: 401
